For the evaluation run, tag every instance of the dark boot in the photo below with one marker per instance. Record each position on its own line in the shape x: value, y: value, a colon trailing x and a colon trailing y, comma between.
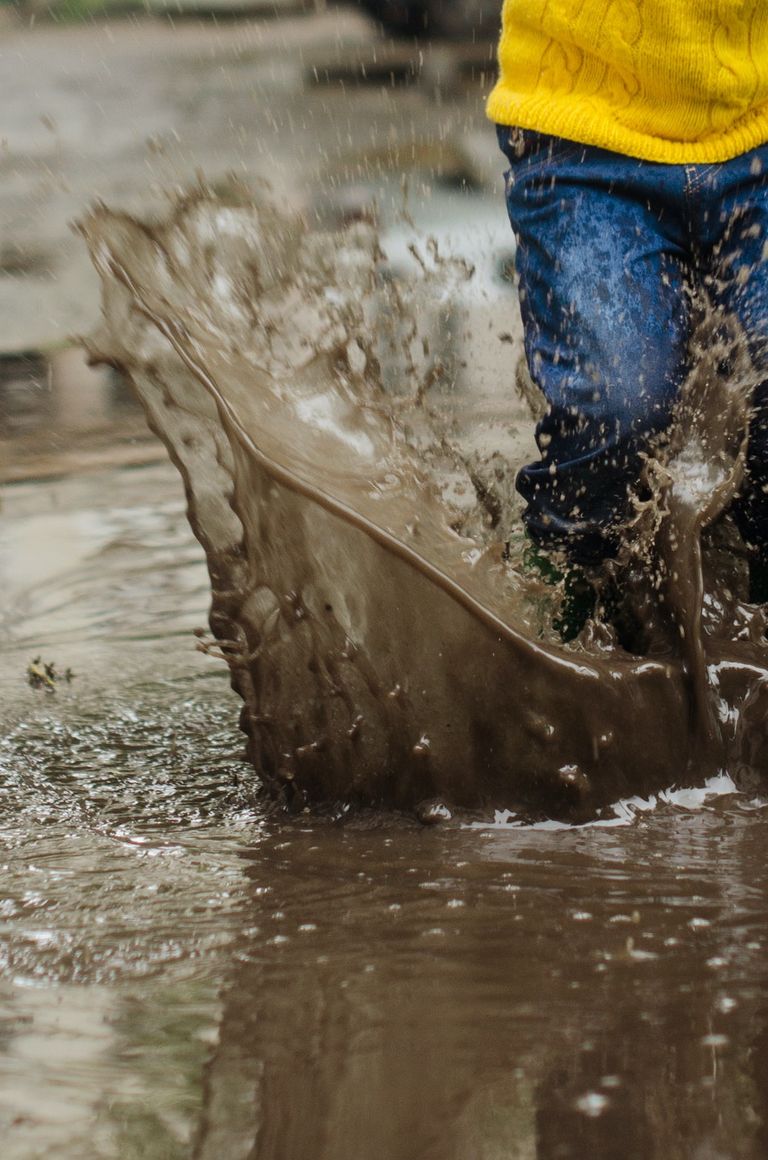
x: 758, y: 580
x: 579, y: 594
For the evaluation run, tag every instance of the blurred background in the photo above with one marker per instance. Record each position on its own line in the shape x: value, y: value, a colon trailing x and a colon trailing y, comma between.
x: 358, y: 108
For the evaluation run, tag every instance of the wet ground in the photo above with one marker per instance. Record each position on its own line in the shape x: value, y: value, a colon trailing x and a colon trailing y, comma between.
x: 184, y: 974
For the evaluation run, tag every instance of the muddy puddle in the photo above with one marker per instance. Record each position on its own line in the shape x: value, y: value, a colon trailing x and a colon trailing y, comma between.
x: 186, y: 975
x: 187, y: 972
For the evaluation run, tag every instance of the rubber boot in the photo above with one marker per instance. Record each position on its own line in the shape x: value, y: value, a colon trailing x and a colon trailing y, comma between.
x: 579, y: 593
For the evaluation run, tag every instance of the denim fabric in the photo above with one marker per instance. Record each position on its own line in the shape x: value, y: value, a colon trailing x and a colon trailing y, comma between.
x: 607, y: 246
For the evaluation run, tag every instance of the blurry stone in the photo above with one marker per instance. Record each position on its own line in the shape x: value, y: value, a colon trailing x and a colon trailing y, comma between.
x: 385, y: 62
x: 227, y: 8
x: 80, y: 393
x: 484, y: 159
x: 441, y: 72
x: 24, y: 392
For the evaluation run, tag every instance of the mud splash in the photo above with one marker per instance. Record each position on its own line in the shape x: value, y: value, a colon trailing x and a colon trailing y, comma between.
x: 365, y: 591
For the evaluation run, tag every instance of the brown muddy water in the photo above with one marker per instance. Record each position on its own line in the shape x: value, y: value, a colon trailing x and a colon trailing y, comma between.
x: 349, y: 467
x: 185, y: 974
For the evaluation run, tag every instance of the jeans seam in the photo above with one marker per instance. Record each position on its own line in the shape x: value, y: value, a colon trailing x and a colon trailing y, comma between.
x: 691, y: 199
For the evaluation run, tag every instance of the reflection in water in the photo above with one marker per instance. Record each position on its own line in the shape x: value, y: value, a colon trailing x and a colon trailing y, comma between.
x: 58, y: 392
x: 57, y: 414
x: 574, y: 995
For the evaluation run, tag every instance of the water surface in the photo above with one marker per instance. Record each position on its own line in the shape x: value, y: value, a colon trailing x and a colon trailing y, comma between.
x: 183, y: 974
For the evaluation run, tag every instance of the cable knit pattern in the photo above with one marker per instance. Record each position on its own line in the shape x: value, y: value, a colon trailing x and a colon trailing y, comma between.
x: 682, y: 81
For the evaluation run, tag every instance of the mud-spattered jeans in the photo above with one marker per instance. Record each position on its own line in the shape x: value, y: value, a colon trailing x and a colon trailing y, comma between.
x: 607, y: 246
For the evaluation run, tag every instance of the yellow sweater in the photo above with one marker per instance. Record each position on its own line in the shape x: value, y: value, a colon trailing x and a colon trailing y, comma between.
x: 682, y: 81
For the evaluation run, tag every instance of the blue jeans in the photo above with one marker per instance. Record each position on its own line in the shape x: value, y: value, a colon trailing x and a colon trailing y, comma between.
x: 608, y: 247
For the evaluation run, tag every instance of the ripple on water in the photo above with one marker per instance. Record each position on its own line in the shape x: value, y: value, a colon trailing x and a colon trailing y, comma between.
x: 122, y: 830
x: 168, y: 949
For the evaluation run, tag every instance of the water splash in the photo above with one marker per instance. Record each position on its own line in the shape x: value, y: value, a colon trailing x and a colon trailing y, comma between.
x: 363, y: 564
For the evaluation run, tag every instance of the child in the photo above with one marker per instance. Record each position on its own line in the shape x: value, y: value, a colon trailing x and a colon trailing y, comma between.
x: 636, y: 135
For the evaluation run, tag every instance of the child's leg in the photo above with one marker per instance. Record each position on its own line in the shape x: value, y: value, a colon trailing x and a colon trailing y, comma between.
x: 602, y: 289
x: 734, y: 229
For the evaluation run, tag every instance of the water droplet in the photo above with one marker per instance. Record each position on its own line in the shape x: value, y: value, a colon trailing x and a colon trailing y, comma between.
x: 592, y: 1104
x: 715, y: 1041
